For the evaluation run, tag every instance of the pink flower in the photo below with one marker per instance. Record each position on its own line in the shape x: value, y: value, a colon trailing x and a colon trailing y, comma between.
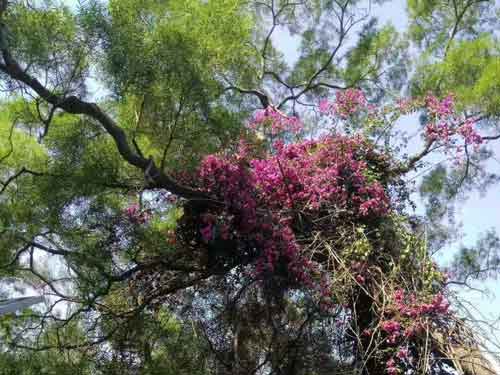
x: 132, y: 210
x: 360, y: 279
x: 349, y: 101
x: 467, y: 131
x: 439, y: 304
x: 404, y: 105
x: 399, y: 295
x: 440, y: 108
x: 402, y: 354
x: 447, y: 126
x: 137, y: 216
x: 346, y: 103
x: 392, y: 370
x: 393, y: 330
x: 277, y: 122
x: 324, y: 106
x: 391, y: 326
x: 207, y: 233
x: 391, y: 367
x: 258, y: 195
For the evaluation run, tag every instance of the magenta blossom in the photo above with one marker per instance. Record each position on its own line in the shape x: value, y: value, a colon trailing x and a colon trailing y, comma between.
x: 347, y: 103
x: 276, y: 121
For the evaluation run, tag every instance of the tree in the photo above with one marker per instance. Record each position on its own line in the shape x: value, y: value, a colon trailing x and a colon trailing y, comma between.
x: 219, y: 211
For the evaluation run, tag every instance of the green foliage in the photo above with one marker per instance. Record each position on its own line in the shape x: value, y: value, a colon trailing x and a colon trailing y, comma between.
x: 166, y: 61
x: 435, y: 24
x: 52, y: 33
x: 480, y: 261
x: 378, y: 52
x: 49, y: 362
x: 18, y: 149
x: 188, y: 40
x: 471, y: 70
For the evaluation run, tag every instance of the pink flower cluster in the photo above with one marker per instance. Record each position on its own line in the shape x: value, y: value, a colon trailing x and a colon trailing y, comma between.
x: 277, y: 122
x: 441, y: 131
x: 260, y: 196
x: 409, y: 319
x: 411, y: 308
x: 319, y: 174
x: 136, y: 215
x: 445, y: 123
x: 346, y: 103
x: 401, y: 356
x: 393, y: 330
x: 440, y: 108
x: 469, y: 134
x: 405, y: 105
x: 391, y: 367
x: 234, y: 183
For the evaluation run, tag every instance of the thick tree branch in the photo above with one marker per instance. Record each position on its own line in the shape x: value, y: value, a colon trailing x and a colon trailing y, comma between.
x: 412, y: 162
x: 263, y: 98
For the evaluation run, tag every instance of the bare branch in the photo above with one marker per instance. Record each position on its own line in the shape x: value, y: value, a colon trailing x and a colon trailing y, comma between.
x: 491, y: 138
x: 412, y: 162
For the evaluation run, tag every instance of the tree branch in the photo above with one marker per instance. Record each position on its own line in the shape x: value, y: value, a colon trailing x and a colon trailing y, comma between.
x: 263, y: 98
